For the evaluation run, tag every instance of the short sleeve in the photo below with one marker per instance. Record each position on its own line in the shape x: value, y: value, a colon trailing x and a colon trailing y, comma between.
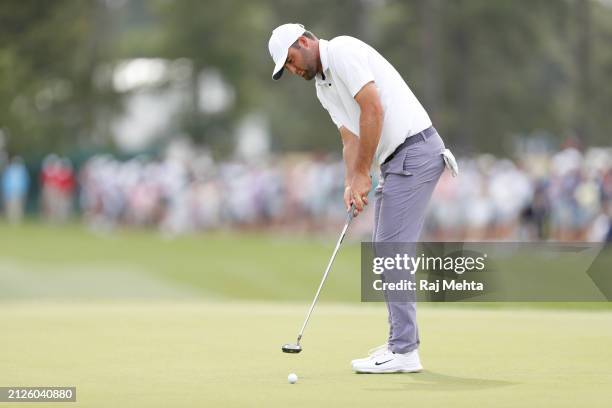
x: 333, y: 117
x: 352, y: 67
x: 335, y: 120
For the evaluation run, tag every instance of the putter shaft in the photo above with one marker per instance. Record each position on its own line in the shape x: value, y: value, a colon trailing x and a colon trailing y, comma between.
x: 329, y: 265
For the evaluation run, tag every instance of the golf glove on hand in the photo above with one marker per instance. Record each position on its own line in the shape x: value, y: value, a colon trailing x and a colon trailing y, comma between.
x: 450, y: 162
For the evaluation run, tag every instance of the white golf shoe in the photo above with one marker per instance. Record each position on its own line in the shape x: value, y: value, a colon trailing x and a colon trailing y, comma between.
x: 389, y: 362
x: 373, y: 352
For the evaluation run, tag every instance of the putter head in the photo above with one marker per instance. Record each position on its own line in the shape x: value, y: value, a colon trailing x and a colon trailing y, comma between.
x: 291, y: 348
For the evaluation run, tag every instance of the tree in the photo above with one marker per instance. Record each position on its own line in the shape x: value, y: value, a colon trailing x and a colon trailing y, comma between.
x: 49, y: 53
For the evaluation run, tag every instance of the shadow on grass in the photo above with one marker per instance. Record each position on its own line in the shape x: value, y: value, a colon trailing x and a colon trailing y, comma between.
x: 432, y: 381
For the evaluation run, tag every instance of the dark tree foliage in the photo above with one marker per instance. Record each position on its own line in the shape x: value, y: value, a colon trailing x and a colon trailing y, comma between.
x: 485, y: 70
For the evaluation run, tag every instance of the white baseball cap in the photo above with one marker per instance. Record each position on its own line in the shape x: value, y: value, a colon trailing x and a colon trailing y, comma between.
x: 281, y: 39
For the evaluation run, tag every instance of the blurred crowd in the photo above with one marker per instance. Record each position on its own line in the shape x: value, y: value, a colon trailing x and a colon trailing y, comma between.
x: 566, y: 196
x: 181, y: 196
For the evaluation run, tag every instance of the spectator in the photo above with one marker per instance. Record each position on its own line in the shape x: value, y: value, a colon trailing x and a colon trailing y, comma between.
x: 15, y: 184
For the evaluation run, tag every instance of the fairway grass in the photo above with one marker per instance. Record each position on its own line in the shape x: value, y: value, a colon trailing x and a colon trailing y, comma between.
x: 192, y: 353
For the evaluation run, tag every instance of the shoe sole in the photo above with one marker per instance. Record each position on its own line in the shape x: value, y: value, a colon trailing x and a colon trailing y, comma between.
x: 387, y: 371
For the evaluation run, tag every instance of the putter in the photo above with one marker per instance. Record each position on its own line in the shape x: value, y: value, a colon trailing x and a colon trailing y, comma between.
x: 296, y: 348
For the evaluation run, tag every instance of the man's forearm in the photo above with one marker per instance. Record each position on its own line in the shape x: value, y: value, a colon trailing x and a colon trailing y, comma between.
x: 350, y: 144
x: 349, y: 154
x: 370, y: 127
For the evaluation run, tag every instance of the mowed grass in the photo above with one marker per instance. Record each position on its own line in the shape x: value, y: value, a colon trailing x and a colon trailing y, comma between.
x: 219, y: 265
x: 158, y: 354
x: 137, y: 320
x: 40, y: 261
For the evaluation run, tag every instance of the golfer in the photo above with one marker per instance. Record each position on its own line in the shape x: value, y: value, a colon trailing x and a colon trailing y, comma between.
x: 380, y: 121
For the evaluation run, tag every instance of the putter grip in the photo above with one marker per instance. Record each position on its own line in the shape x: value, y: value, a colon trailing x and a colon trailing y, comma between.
x: 350, y: 213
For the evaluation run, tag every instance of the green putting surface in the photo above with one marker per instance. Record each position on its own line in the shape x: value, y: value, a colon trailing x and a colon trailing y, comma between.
x: 134, y: 319
x: 228, y: 354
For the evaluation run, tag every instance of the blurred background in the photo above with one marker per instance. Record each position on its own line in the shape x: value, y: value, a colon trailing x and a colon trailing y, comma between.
x: 167, y: 210
x: 161, y: 115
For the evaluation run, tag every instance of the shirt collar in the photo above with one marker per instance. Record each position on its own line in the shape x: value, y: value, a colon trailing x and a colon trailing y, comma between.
x: 323, y: 44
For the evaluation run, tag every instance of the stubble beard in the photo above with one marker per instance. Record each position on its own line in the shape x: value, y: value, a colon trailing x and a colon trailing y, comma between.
x: 311, y: 70
x: 309, y: 74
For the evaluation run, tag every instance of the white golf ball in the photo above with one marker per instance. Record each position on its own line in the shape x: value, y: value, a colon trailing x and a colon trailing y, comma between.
x: 292, y: 378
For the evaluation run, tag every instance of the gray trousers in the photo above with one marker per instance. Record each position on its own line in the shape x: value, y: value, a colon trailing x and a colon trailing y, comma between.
x: 401, y: 198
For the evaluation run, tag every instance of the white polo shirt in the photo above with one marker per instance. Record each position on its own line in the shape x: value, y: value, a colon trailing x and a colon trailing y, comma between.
x: 348, y: 64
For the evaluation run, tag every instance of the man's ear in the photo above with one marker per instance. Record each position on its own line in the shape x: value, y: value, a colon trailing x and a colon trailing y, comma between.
x: 303, y: 41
